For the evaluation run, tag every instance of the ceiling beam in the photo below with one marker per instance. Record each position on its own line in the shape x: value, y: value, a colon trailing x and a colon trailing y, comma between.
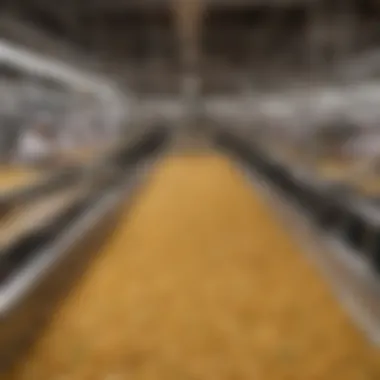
x: 144, y: 4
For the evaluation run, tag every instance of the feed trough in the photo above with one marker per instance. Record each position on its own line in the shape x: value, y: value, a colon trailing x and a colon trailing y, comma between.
x: 42, y: 263
x: 348, y: 224
x: 361, y: 229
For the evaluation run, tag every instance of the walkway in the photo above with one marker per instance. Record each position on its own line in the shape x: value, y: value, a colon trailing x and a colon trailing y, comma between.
x: 201, y: 281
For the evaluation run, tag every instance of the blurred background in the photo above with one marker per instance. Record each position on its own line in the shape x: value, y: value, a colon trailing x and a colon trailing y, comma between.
x: 300, y: 54
x: 95, y: 92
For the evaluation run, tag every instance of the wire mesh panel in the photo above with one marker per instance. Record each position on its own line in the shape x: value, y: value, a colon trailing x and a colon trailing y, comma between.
x: 74, y: 108
x: 289, y: 65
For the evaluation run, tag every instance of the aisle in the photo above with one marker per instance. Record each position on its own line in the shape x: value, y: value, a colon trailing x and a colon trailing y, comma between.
x: 201, y: 282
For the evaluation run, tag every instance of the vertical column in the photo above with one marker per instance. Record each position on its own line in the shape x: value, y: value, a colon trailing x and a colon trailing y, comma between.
x: 188, y: 17
x: 156, y: 58
x: 345, y: 36
x: 102, y: 128
x: 317, y: 35
x: 318, y: 26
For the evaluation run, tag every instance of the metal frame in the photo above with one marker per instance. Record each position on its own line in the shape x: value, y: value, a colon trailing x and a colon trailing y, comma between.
x: 351, y: 271
x: 29, y: 295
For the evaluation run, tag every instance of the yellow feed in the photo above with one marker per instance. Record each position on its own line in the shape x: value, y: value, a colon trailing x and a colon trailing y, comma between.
x: 368, y: 186
x: 201, y: 281
x: 331, y: 170
x: 11, y: 177
x: 83, y: 155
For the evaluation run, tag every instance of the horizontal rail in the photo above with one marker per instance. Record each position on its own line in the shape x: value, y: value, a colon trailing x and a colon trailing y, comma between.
x: 326, y: 225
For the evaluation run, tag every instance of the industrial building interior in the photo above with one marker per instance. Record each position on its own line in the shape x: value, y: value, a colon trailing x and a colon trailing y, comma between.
x: 189, y: 189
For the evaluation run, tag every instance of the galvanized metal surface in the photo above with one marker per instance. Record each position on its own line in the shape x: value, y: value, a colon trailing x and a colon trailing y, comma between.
x: 304, y: 106
x: 27, y: 299
x: 351, y: 276
x: 352, y: 279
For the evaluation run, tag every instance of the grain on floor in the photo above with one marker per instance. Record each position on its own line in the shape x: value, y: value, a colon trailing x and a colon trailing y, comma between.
x: 11, y: 177
x: 201, y: 281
